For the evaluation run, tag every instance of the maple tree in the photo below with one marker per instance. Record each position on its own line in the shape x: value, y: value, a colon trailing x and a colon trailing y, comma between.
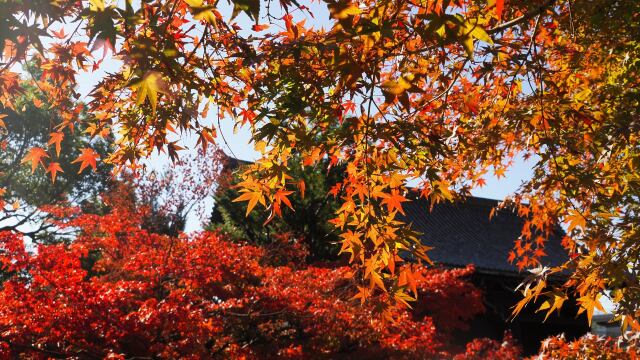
x: 119, y: 291
x: 25, y: 189
x: 179, y: 189
x: 436, y: 92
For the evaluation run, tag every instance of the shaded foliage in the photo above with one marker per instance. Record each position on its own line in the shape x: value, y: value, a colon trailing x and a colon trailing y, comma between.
x: 308, y: 217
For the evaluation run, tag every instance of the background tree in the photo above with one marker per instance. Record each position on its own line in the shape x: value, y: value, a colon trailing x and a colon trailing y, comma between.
x: 32, y: 126
x: 591, y: 347
x: 308, y: 217
x: 166, y: 195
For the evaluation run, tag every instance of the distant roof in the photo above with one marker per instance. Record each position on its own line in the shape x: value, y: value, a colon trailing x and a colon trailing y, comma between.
x: 461, y: 233
x: 234, y: 163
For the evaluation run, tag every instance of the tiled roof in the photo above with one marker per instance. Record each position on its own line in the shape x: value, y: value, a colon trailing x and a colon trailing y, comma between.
x: 461, y: 233
x: 232, y: 163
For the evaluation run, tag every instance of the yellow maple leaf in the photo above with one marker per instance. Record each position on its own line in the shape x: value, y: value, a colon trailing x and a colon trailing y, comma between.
x: 254, y: 197
x: 149, y: 87
x: 575, y: 220
x: 96, y: 5
x: 200, y: 11
x: 589, y: 304
x: 554, y: 302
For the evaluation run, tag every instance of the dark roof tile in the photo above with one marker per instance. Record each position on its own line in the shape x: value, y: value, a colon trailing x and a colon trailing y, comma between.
x: 461, y: 233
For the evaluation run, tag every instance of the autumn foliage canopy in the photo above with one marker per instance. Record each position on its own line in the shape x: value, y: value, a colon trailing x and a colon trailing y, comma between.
x: 120, y: 291
x: 438, y: 93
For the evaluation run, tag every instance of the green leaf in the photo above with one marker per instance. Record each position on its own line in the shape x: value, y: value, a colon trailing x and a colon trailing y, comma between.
x: 250, y: 7
x: 467, y: 43
x: 201, y: 11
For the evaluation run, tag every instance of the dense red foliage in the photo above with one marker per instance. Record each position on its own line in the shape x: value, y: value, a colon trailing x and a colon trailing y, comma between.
x: 120, y: 291
x: 592, y: 347
x: 480, y: 349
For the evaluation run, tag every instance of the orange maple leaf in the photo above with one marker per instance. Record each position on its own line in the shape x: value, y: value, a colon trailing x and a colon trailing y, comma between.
x: 499, y: 8
x: 393, y: 201
x: 86, y: 158
x: 589, y: 304
x: 54, y: 168
x: 56, y: 138
x: 35, y: 156
x: 301, y: 187
x: 260, y: 27
x: 281, y: 196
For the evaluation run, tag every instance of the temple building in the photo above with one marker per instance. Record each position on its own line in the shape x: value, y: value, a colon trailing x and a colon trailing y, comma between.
x: 463, y: 233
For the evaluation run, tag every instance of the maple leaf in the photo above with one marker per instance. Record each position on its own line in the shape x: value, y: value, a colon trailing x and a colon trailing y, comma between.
x: 555, y: 301
x: 88, y: 157
x: 59, y: 34
x: 443, y: 191
x: 376, y: 280
x: 349, y: 106
x: 301, y: 187
x: 589, y: 304
x: 35, y: 156
x: 407, y: 278
x: 200, y: 11
x: 54, y: 168
x: 96, y: 5
x: 499, y: 172
x: 259, y: 27
x: 149, y: 87
x: 249, y: 7
x: 362, y: 294
x: 575, y: 220
x: 396, y: 87
x: 393, y: 201
x: 498, y: 7
x: 341, y: 10
x: 56, y: 138
x: 253, y: 197
x: 335, y: 189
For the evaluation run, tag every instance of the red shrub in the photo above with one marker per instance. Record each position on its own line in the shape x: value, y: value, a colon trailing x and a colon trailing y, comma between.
x: 119, y: 291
